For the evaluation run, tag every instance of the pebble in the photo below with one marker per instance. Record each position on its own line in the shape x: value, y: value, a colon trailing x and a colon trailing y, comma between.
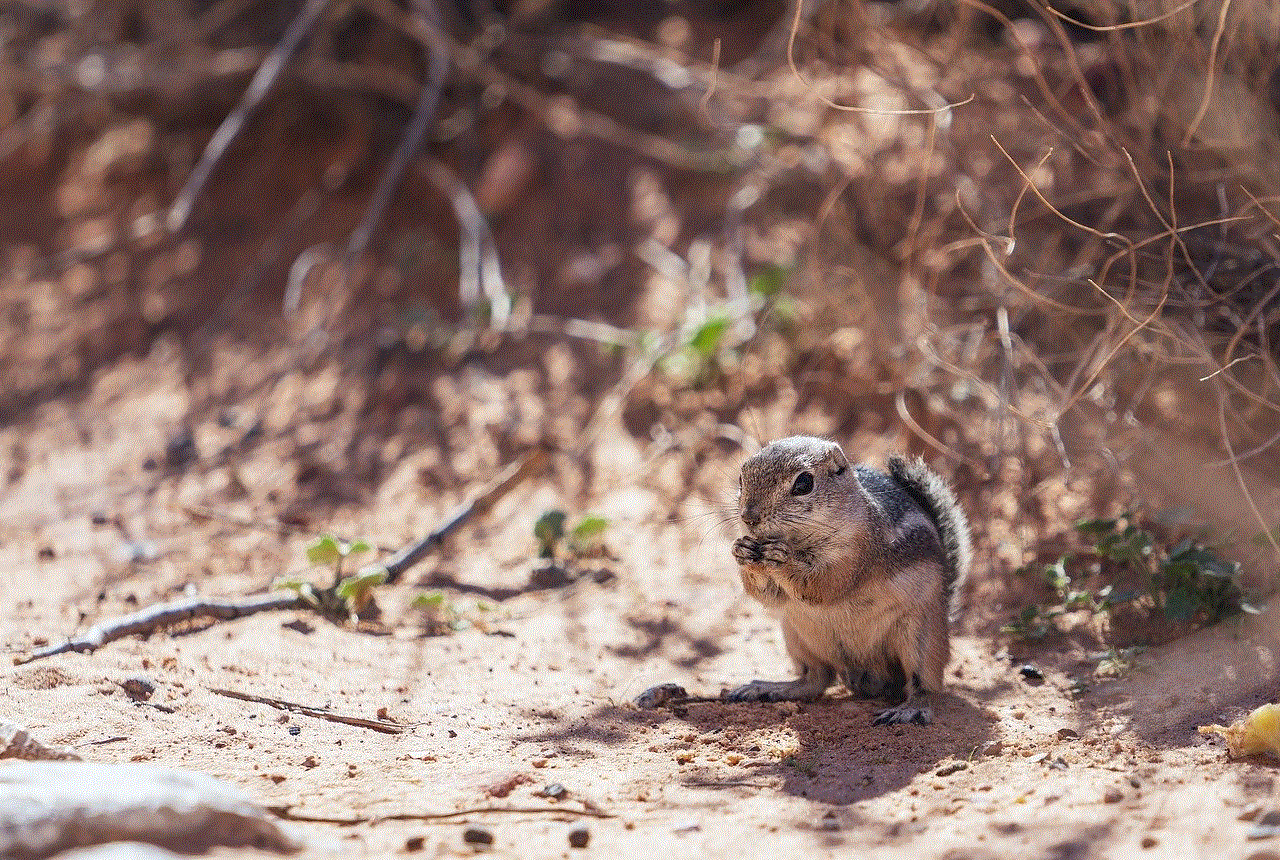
x: 659, y: 695
x: 1031, y: 674
x: 579, y: 837
x: 139, y: 688
x: 1066, y: 734
x: 414, y: 843
x: 477, y: 836
x: 554, y: 791
x: 1113, y: 795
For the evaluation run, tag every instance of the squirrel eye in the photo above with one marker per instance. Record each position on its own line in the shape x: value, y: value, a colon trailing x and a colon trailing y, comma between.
x: 803, y: 485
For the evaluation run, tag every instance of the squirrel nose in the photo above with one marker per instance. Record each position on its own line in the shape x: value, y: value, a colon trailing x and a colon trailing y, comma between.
x: 751, y: 517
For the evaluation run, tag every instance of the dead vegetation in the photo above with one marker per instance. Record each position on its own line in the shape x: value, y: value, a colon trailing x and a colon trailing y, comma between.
x: 369, y: 253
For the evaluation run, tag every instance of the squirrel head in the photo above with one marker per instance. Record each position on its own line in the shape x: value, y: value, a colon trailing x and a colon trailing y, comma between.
x: 800, y: 486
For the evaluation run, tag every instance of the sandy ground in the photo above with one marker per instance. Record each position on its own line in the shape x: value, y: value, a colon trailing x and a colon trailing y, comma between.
x: 535, y: 690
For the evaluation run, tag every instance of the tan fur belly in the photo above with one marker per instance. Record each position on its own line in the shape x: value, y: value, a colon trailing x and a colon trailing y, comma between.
x: 854, y: 630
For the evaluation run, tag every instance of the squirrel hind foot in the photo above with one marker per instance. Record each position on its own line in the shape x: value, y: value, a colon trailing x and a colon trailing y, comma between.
x: 907, y: 712
x: 800, y: 690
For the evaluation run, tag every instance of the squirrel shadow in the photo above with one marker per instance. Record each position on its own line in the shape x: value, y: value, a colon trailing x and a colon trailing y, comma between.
x: 826, y: 750
x: 834, y: 754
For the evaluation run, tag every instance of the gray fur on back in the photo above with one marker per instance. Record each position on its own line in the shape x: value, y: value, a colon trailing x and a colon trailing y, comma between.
x: 931, y: 492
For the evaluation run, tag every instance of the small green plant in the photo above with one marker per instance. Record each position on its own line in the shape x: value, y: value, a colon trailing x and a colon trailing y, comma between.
x: 348, y: 596
x: 556, y: 538
x: 1188, y: 583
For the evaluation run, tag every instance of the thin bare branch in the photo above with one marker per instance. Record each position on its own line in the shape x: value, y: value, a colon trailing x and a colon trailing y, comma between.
x: 231, y: 127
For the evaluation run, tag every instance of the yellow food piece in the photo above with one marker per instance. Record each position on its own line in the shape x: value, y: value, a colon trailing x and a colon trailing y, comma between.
x: 1257, y: 732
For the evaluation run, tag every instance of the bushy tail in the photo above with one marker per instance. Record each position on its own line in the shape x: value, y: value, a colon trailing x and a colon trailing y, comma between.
x: 931, y: 492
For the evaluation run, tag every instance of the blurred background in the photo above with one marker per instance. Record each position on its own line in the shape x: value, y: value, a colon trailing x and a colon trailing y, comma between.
x: 341, y: 262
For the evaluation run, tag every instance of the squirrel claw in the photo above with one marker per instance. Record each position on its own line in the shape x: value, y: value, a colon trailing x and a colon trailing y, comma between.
x: 746, y: 551
x: 903, y: 713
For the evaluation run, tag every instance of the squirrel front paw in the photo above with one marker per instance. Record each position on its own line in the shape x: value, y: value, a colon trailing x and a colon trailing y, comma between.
x: 749, y: 550
x: 746, y: 550
x: 774, y: 552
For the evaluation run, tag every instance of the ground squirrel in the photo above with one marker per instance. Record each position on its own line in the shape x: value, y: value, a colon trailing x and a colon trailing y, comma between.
x: 862, y: 567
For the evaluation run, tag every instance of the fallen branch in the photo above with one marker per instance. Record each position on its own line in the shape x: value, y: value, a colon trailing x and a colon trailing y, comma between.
x: 286, y: 813
x: 479, y: 503
x: 154, y: 618
x: 423, y: 113
x: 163, y: 615
x: 384, y: 726
x: 231, y: 127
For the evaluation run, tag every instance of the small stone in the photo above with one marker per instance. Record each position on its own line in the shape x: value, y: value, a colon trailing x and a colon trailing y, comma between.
x: 1058, y: 763
x: 1031, y: 674
x: 1249, y: 813
x: 1149, y: 842
x: 1039, y: 757
x: 554, y: 791
x: 660, y: 695
x: 180, y: 449
x: 1067, y: 734
x: 295, y: 730
x: 952, y: 767
x: 994, y: 748
x: 477, y: 836
x: 139, y: 688
x: 414, y: 843
x: 579, y: 837
x: 1113, y: 795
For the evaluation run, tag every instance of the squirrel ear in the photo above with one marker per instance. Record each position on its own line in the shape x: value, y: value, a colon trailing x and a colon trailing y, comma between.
x: 837, y: 459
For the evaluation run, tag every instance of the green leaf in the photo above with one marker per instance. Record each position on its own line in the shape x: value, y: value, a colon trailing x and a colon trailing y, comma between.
x: 706, y: 338
x: 1179, y: 605
x: 300, y: 587
x: 324, y: 551
x: 355, y: 547
x: 1096, y: 527
x: 769, y: 281
x: 354, y: 589
x: 549, y: 531
x: 428, y: 600
x: 590, y: 527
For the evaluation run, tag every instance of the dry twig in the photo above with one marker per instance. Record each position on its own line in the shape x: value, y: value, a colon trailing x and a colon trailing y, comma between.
x: 480, y: 502
x: 231, y: 127
x: 163, y: 615
x: 384, y: 726
x: 286, y: 813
